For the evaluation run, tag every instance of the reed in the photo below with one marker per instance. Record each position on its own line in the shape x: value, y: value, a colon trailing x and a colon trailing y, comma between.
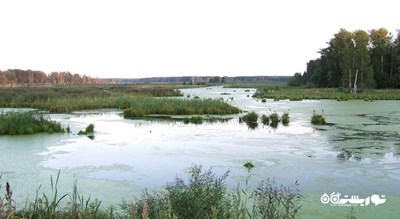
x: 202, y: 195
x: 27, y: 123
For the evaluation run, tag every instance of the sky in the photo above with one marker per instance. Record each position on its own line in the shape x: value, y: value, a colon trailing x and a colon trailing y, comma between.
x: 153, y: 38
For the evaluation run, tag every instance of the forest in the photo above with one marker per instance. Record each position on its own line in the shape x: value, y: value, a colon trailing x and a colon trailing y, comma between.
x: 355, y: 60
x: 17, y: 76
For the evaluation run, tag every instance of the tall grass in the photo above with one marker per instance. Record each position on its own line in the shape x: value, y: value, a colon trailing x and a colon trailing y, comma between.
x: 202, y: 195
x: 136, y: 100
x: 174, y: 106
x: 21, y: 123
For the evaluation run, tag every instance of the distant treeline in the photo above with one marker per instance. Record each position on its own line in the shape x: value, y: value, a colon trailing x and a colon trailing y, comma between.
x: 18, y: 76
x: 368, y: 59
x: 199, y: 79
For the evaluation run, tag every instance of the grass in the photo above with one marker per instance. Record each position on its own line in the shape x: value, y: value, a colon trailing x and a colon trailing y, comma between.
x: 89, y: 130
x: 318, y: 119
x: 298, y: 94
x: 174, y: 106
x: 27, y: 123
x: 265, y: 119
x: 273, y: 120
x: 202, y: 195
x: 135, y: 100
x: 285, y: 119
x: 250, y: 119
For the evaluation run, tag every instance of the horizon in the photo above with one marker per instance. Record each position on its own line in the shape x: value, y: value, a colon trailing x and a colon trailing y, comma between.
x: 131, y: 39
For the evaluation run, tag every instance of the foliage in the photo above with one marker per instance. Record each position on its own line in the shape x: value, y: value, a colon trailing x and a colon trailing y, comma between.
x: 174, y: 106
x: 136, y: 100
x: 18, y: 76
x: 355, y: 60
x: 195, y: 198
x: 89, y: 130
x: 202, y: 195
x: 265, y: 119
x: 27, y: 123
x: 327, y: 93
x: 251, y: 117
x: 285, y: 119
x: 193, y: 119
x: 318, y: 119
x: 276, y: 201
x: 274, y: 118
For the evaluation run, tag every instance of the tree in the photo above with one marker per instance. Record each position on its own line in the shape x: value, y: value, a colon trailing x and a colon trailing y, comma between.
x: 381, y: 52
x: 296, y: 80
x: 362, y: 59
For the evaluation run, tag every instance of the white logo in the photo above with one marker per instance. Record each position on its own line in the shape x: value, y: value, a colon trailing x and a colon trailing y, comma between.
x: 353, y: 200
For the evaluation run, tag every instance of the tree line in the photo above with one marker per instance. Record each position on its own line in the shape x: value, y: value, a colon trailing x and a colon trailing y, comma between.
x: 355, y: 60
x: 18, y: 76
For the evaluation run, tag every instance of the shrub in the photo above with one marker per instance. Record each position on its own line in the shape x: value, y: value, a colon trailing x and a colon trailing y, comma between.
x: 285, y: 119
x: 196, y: 197
x: 251, y: 117
x: 89, y: 128
x: 274, y: 118
x: 318, y: 119
x: 265, y: 119
x: 27, y: 123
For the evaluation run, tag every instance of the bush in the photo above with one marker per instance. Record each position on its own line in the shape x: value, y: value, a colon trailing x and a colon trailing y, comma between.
x: 251, y: 117
x: 285, y: 119
x: 274, y: 117
x: 196, y: 197
x: 265, y: 119
x: 318, y: 119
x: 89, y: 128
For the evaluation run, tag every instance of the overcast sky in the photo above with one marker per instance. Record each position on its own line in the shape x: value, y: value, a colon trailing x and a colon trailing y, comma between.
x: 152, y: 38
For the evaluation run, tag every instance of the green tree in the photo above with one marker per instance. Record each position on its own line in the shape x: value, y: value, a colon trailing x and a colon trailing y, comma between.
x: 381, y: 55
x: 362, y: 59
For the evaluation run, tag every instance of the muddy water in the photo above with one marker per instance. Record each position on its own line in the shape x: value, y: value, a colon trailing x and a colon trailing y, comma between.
x: 357, y: 154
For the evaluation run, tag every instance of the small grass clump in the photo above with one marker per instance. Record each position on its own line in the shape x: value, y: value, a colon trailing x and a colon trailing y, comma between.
x: 318, y: 119
x: 285, y: 119
x: 265, y: 119
x: 251, y: 117
x: 193, y: 119
x: 274, y: 118
x: 27, y: 123
x: 174, y: 106
x: 89, y: 130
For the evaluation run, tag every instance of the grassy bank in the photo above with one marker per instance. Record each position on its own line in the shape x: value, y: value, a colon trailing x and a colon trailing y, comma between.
x: 325, y: 93
x: 202, y: 195
x: 136, y: 100
x: 12, y: 123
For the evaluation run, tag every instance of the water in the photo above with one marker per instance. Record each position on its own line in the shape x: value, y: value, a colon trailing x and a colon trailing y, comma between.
x: 357, y: 154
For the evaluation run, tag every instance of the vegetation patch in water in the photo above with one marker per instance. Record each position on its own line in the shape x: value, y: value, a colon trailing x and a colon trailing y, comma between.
x: 27, y: 123
x: 88, y: 131
x: 285, y: 119
x: 173, y: 106
x: 193, y: 119
x: 318, y: 119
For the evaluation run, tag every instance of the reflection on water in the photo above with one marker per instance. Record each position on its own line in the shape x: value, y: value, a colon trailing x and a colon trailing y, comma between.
x: 357, y: 154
